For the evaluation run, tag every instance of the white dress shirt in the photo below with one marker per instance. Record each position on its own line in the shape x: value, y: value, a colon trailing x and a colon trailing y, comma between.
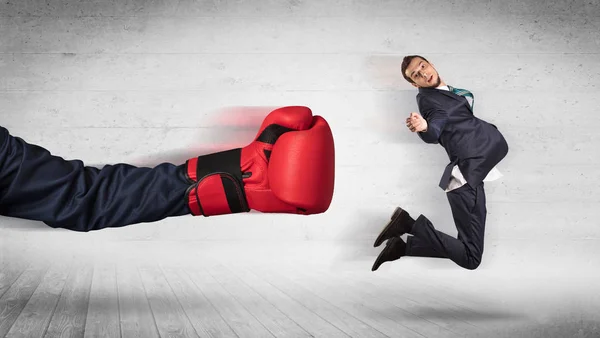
x: 457, y: 180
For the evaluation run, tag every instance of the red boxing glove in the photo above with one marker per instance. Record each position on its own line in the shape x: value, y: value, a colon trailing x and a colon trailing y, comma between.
x: 288, y: 168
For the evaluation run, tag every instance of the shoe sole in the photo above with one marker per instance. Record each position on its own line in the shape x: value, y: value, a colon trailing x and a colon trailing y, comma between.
x: 395, y: 215
x: 376, y: 264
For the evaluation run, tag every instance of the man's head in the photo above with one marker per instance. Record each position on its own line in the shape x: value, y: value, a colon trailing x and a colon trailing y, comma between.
x: 419, y: 72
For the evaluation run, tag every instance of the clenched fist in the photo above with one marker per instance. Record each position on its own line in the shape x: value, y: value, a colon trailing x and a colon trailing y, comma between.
x: 416, y: 122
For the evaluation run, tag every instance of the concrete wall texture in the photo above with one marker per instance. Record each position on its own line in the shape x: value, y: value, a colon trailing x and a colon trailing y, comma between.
x: 144, y: 82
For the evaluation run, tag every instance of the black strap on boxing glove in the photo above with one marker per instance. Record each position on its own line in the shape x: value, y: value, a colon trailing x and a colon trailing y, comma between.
x: 218, y: 187
x: 217, y: 178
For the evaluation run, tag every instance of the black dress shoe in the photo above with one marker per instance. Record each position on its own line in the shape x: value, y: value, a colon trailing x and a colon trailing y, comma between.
x: 394, y: 249
x: 399, y: 224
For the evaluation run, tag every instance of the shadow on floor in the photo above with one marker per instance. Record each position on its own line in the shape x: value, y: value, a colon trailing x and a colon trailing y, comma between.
x: 468, y: 315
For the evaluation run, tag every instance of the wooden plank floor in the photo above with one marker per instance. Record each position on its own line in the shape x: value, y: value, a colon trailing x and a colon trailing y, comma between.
x: 75, y: 298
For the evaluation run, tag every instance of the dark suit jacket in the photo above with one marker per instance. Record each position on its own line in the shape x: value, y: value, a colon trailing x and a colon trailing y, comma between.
x: 472, y: 143
x: 36, y: 185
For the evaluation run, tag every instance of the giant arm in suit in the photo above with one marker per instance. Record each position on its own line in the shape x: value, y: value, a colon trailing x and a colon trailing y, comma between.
x: 289, y: 167
x: 36, y: 185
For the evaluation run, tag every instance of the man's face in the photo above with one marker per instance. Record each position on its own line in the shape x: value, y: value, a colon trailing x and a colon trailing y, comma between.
x: 423, y: 74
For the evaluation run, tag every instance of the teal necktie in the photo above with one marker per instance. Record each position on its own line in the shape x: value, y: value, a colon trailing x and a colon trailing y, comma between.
x: 463, y: 92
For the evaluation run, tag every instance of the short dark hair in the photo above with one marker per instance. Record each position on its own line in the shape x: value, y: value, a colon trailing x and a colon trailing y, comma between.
x: 406, y: 61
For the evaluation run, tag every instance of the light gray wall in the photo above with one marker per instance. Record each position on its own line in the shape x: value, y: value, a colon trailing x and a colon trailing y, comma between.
x: 145, y: 82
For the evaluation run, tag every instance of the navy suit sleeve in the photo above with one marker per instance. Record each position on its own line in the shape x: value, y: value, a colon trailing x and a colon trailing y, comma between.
x: 436, y: 117
x: 37, y: 185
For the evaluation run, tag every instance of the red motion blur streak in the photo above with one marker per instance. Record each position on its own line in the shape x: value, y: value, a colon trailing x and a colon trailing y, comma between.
x: 233, y: 127
x: 243, y: 116
x: 226, y: 128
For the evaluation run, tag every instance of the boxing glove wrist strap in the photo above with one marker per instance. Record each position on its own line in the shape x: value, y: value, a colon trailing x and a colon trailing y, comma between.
x: 218, y: 187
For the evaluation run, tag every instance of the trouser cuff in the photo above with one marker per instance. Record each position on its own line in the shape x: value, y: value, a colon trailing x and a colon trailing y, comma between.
x: 419, y: 222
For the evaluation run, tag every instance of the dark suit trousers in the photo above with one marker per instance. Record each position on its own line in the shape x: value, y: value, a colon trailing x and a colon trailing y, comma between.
x: 469, y: 213
x: 67, y: 194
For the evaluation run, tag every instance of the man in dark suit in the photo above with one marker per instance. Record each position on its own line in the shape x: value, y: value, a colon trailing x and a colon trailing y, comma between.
x: 474, y: 148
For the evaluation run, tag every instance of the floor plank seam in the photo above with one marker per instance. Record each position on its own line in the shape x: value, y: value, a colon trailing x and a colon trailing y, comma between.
x: 187, y: 317
x: 316, y: 314
x: 210, y: 302
x: 137, y: 270
x: 266, y: 300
